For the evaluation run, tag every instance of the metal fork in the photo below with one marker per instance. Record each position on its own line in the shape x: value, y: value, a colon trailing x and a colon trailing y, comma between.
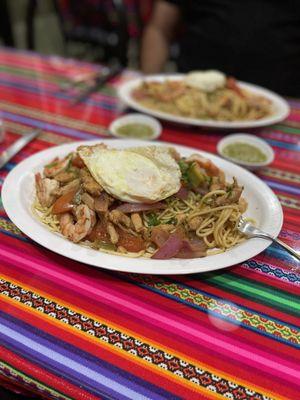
x: 250, y: 230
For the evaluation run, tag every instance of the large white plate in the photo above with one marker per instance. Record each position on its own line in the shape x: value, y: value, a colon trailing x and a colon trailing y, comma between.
x: 18, y: 194
x: 280, y: 107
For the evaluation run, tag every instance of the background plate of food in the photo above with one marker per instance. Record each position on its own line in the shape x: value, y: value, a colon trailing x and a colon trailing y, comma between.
x: 208, y: 99
x: 126, y: 206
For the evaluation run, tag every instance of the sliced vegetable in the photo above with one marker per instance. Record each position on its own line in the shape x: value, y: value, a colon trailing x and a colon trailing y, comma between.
x: 159, y: 236
x: 210, y: 168
x: 130, y: 243
x: 64, y: 203
x: 232, y: 84
x: 137, y: 207
x: 153, y: 220
x: 99, y: 233
x: 193, y: 248
x: 53, y: 163
x: 172, y: 221
x: 182, y: 193
x: 170, y: 248
x: 78, y: 162
x: 184, y: 168
x: 196, y: 176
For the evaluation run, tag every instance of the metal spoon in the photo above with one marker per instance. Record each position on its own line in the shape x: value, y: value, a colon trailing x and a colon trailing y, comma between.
x: 251, y: 231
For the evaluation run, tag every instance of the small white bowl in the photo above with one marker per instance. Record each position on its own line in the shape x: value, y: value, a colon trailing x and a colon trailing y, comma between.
x: 136, y: 118
x: 249, y: 139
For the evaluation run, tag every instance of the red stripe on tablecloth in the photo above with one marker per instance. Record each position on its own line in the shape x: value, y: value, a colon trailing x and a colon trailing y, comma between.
x: 265, y: 258
x: 252, y: 275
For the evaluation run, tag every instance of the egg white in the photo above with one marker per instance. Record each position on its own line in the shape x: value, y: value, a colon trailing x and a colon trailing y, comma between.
x: 207, y: 81
x: 141, y: 174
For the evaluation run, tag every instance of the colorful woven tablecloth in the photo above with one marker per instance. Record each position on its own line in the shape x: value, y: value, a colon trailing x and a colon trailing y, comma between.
x: 71, y: 331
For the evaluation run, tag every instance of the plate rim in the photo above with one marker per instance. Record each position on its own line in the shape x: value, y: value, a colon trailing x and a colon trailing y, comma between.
x: 177, y: 266
x: 124, y: 93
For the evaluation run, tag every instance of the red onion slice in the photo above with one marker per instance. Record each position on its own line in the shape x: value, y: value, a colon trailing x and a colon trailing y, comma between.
x: 193, y: 248
x: 182, y: 193
x: 137, y: 207
x: 170, y: 248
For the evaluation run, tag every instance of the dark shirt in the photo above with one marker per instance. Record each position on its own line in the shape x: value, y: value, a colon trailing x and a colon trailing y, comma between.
x: 253, y: 40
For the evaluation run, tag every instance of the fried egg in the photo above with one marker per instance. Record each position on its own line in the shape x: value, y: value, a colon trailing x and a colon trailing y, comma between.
x: 208, y: 81
x: 140, y: 174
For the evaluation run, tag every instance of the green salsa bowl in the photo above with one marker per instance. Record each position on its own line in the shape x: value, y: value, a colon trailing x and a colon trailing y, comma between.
x: 136, y: 126
x: 246, y: 150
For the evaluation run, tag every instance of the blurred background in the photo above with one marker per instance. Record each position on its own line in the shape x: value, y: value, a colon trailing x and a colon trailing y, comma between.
x: 254, y: 40
x: 101, y: 31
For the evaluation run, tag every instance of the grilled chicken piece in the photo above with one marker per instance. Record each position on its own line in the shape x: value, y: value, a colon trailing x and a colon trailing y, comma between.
x: 88, y: 200
x: 102, y: 202
x: 117, y: 217
x: 195, y: 222
x: 89, y: 184
x: 69, y: 187
x: 137, y: 222
x: 113, y: 234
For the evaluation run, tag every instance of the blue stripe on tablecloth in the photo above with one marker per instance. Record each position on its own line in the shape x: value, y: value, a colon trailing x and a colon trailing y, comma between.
x: 282, y: 187
x: 284, y: 145
x: 8, y: 167
x: 269, y: 269
x: 77, y: 366
x: 49, y: 126
x: 278, y: 252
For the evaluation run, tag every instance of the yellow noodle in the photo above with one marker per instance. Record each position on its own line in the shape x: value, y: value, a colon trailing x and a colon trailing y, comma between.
x: 217, y: 227
x: 222, y: 105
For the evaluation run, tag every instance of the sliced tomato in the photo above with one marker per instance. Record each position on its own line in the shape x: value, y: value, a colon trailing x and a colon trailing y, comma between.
x: 78, y: 162
x: 130, y: 243
x: 64, y: 203
x: 99, y: 232
x: 232, y: 84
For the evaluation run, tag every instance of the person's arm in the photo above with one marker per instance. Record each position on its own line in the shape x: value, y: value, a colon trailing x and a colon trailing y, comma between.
x: 157, y: 36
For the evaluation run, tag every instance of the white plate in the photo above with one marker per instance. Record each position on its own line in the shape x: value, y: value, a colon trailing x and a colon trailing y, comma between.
x: 18, y: 194
x: 280, y: 107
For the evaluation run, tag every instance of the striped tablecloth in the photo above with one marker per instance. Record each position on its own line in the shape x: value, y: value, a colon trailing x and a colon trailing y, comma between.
x: 70, y: 331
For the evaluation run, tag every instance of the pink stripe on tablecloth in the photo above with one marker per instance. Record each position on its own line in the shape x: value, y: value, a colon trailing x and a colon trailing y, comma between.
x: 239, y: 351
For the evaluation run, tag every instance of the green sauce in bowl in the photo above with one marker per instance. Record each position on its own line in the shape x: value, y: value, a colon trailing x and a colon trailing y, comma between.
x: 135, y: 130
x: 244, y: 152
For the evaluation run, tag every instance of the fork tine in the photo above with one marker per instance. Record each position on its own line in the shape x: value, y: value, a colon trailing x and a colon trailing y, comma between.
x: 241, y: 221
